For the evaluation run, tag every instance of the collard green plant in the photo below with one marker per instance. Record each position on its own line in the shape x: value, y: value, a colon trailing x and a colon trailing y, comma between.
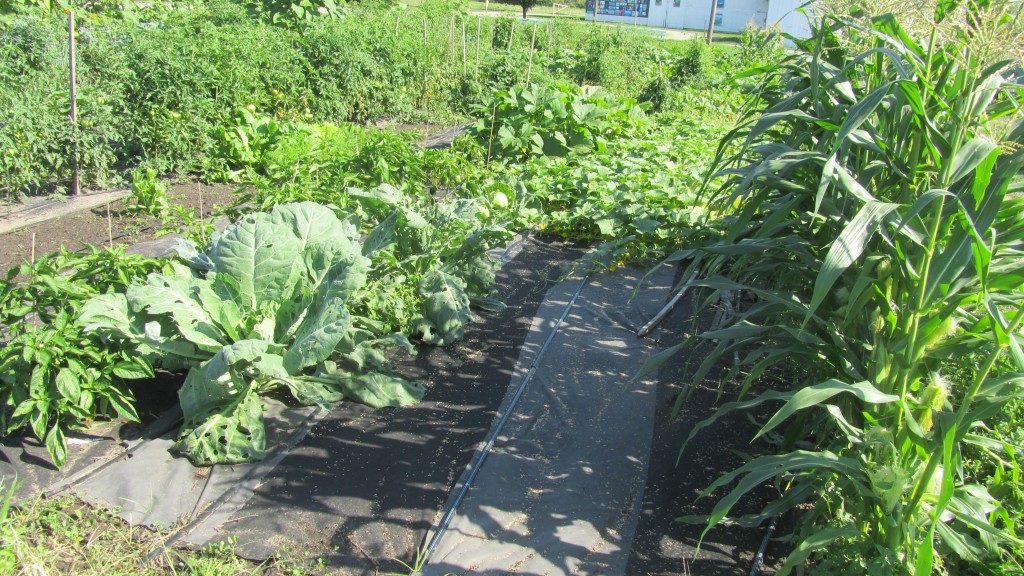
x: 870, y: 208
x: 264, y: 307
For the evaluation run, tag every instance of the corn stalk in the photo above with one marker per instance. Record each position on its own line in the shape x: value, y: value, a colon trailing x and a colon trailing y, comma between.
x: 869, y: 206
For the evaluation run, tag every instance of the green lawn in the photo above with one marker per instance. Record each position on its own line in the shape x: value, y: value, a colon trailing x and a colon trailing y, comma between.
x: 541, y: 10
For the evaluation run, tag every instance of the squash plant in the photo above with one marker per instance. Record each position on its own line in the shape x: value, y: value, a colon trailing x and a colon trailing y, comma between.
x: 265, y: 307
x: 554, y: 120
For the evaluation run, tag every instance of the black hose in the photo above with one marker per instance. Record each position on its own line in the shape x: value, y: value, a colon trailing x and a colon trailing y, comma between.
x: 446, y: 520
x: 759, y: 559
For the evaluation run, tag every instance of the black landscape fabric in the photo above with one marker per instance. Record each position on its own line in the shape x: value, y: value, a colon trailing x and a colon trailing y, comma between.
x: 365, y: 485
x: 582, y: 480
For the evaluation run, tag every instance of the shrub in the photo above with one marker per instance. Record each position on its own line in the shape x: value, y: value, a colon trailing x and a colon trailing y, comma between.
x: 694, y: 66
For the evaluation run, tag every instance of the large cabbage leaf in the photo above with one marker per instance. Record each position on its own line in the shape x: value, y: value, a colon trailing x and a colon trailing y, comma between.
x: 261, y: 255
x: 446, y: 308
x: 266, y: 309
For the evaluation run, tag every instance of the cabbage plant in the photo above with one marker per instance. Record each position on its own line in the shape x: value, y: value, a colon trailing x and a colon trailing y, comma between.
x: 263, y: 308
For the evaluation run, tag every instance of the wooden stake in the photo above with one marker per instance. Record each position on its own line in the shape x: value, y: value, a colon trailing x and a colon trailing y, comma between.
x: 110, y: 228
x: 33, y: 257
x: 551, y: 39
x: 476, y: 74
x: 529, y: 65
x: 463, y: 47
x: 75, y: 185
x: 511, y: 35
x: 398, y: 17
x: 451, y: 40
x: 490, y: 140
x: 200, y: 186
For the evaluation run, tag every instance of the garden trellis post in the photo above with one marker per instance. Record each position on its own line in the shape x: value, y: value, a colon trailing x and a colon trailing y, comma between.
x: 75, y: 185
x: 463, y: 47
x: 529, y: 65
x: 476, y: 74
x: 511, y: 35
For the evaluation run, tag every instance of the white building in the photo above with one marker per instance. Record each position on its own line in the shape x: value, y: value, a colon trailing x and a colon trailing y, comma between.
x: 731, y: 15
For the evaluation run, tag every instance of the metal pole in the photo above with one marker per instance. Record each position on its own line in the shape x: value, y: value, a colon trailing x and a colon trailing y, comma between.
x: 551, y: 39
x: 711, y: 23
x: 646, y: 329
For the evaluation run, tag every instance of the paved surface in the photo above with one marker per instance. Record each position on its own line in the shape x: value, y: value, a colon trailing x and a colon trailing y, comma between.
x: 669, y: 33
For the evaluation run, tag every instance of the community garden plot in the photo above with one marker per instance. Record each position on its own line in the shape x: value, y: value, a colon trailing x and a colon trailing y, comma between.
x: 577, y: 479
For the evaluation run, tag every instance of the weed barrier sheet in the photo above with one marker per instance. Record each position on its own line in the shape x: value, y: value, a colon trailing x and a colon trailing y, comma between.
x: 560, y: 492
x: 581, y: 480
x: 364, y: 487
x: 356, y: 486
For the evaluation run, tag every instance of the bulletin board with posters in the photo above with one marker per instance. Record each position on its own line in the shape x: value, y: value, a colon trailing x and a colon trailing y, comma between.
x: 637, y: 8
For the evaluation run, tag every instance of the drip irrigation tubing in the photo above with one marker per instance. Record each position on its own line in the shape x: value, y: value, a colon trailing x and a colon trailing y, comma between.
x: 446, y: 520
x: 759, y: 559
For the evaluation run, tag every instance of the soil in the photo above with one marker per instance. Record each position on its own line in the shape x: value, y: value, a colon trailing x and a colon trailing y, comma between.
x: 63, y: 224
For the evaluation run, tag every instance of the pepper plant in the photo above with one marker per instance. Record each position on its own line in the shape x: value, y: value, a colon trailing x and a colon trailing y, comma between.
x: 53, y: 376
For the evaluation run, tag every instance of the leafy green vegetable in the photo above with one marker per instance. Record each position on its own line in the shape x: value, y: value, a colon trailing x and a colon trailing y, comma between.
x: 447, y: 308
x: 554, y: 120
x: 264, y: 308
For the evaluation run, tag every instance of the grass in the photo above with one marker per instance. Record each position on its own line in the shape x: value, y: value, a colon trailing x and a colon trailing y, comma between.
x: 543, y: 10
x: 65, y: 536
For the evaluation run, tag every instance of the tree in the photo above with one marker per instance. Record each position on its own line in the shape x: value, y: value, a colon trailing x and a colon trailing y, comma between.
x: 526, y: 5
